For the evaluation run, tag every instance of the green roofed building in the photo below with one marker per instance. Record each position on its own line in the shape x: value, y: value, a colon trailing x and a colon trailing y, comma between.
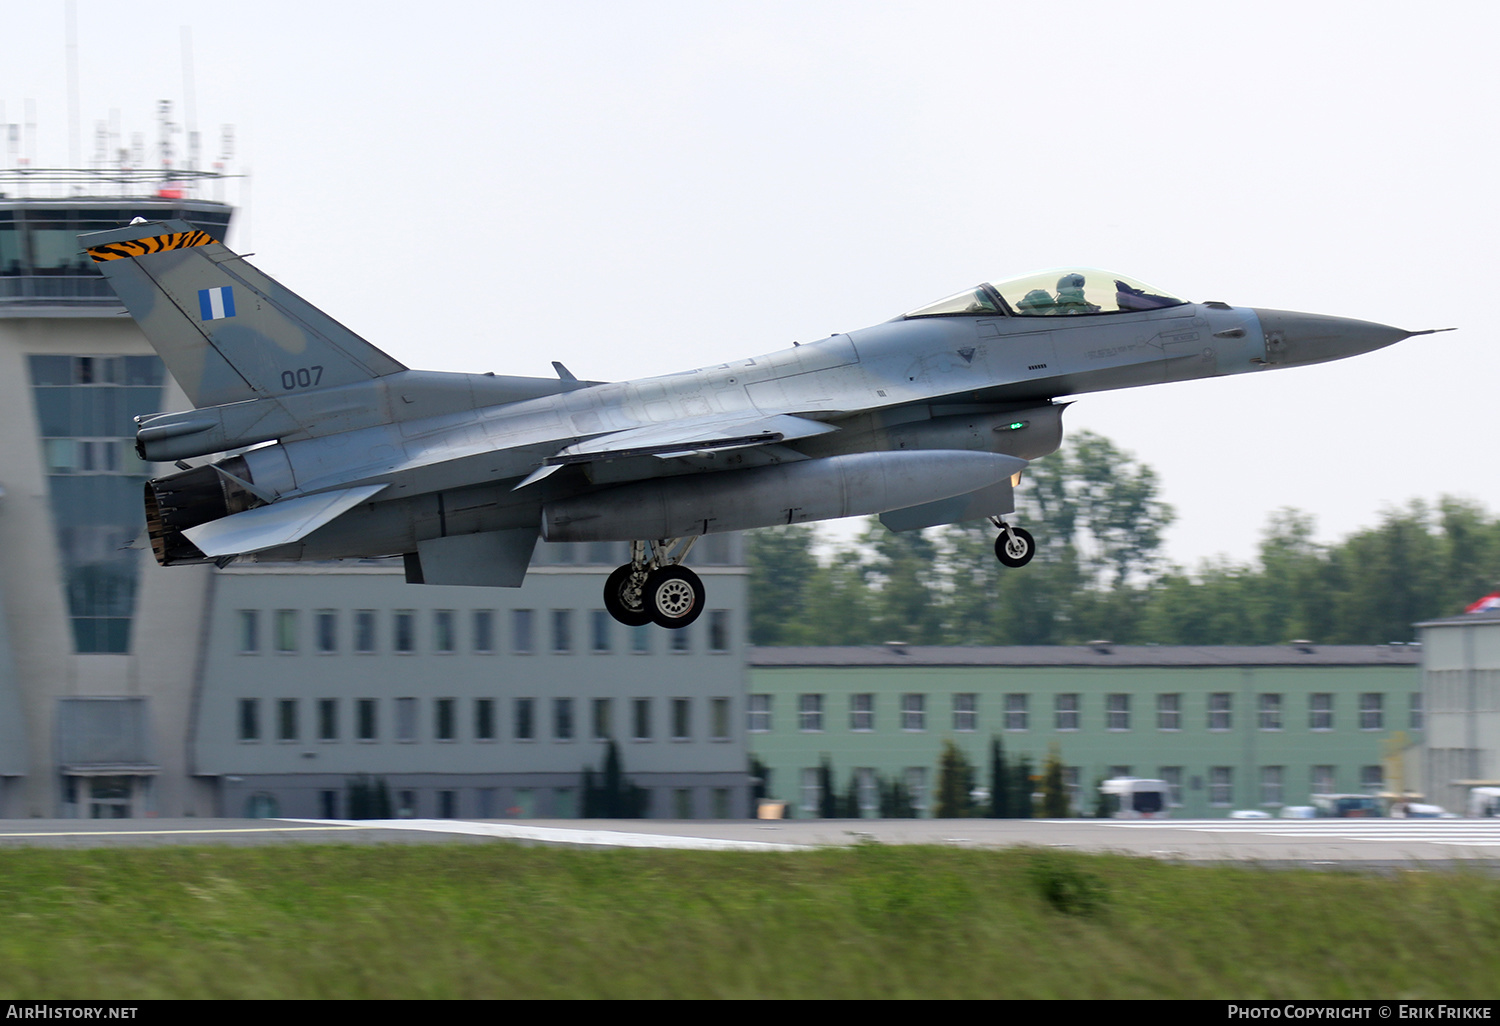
x: 1229, y: 727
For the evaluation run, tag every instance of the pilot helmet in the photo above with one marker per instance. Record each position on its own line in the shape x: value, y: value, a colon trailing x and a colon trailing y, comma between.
x: 1070, y: 281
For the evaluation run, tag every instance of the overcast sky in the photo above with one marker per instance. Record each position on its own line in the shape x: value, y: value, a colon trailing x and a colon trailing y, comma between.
x: 637, y: 188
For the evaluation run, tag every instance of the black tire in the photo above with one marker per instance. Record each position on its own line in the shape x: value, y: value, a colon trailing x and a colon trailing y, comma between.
x: 614, y: 601
x: 1014, y: 547
x: 674, y: 595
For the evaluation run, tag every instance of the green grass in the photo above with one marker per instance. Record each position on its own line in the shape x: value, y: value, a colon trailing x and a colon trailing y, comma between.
x: 492, y: 921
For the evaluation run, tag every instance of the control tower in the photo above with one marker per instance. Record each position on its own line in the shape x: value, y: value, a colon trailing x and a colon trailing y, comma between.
x: 95, y: 674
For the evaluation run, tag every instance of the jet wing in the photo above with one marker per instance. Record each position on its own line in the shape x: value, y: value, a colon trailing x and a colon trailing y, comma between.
x: 280, y: 523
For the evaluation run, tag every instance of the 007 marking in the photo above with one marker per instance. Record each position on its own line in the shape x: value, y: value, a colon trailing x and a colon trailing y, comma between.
x: 302, y: 377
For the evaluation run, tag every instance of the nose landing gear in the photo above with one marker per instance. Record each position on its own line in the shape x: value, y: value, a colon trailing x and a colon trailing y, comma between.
x: 656, y: 589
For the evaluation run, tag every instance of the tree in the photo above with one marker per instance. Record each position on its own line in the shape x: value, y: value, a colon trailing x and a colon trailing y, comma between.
x: 999, y: 781
x: 1021, y: 789
x: 955, y: 784
x: 895, y: 800
x: 781, y: 564
x: 1054, y: 793
x: 828, y: 799
x: 616, y: 797
x: 368, y: 797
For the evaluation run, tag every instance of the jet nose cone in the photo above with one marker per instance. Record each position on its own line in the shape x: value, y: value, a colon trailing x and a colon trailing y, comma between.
x: 1297, y: 338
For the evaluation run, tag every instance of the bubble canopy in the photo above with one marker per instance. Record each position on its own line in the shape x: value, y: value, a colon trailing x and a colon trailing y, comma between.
x: 1053, y: 294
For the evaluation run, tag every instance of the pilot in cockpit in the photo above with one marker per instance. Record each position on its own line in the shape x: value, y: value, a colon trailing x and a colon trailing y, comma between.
x: 1070, y: 297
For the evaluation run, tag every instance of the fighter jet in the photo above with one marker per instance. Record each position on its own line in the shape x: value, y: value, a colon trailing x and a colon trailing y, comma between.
x: 336, y: 450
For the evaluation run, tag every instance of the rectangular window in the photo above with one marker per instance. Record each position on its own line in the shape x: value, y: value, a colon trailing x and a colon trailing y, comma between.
x: 249, y: 719
x: 867, y: 788
x: 525, y: 719
x: 758, y: 714
x: 1320, y: 711
x: 1220, y: 709
x: 1220, y: 785
x: 286, y: 630
x: 679, y: 639
x: 1017, y: 713
x: 641, y: 717
x: 812, y: 792
x: 1270, y: 785
x: 562, y: 719
x: 718, y: 717
x: 405, y: 622
x: 1270, y: 712
x: 1371, y: 779
x: 966, y: 712
x: 328, y: 631
x: 249, y: 630
x: 364, y: 630
x: 444, y: 727
x: 444, y: 632
x: 1371, y: 711
x: 861, y: 712
x: 1066, y: 712
x: 1118, y: 712
x: 604, y: 719
x: 1169, y: 712
x: 286, y: 719
x: 640, y: 640
x: 406, y: 719
x: 365, y: 724
x: 718, y: 630
x: 1322, y: 781
x: 484, y: 630
x: 562, y: 630
x: 913, y: 712
x: 1414, y: 720
x: 810, y: 712
x: 484, y: 719
x: 916, y: 786
x: 328, y: 719
x: 1172, y: 777
x: 520, y: 631
x: 682, y: 727
x: 599, y: 630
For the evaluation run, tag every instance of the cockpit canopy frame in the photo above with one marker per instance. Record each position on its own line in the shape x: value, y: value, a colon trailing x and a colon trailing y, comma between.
x: 1062, y: 292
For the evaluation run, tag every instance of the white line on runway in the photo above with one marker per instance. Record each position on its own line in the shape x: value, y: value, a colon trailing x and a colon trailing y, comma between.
x: 558, y: 835
x: 164, y: 833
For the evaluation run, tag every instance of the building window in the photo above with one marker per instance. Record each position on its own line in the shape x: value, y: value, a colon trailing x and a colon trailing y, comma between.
x: 286, y: 630
x: 640, y: 640
x: 444, y: 727
x: 681, y: 719
x: 679, y: 642
x: 525, y: 719
x: 1220, y: 707
x: 447, y: 804
x: 1270, y: 785
x: 520, y: 631
x: 249, y: 719
x: 1320, y: 711
x: 249, y: 630
x: 1371, y: 779
x: 1172, y: 777
x: 758, y: 714
x: 1414, y: 721
x: 1371, y: 711
x: 1322, y: 780
x: 718, y: 630
x: 364, y: 630
x: 867, y: 789
x: 444, y: 634
x: 810, y: 712
x: 1270, y: 712
x: 1220, y: 785
x: 406, y: 719
x: 286, y: 720
x: 641, y: 715
x: 916, y: 786
x: 562, y: 719
x: 862, y: 712
x: 721, y: 803
x: 562, y: 630
x: 406, y: 631
x: 718, y: 715
x: 484, y: 630
x: 812, y: 792
x: 913, y: 712
x: 365, y: 724
x: 1017, y: 715
x: 1066, y: 712
x: 966, y: 712
x: 328, y: 631
x: 603, y: 719
x: 1118, y: 715
x: 599, y: 630
x: 328, y: 719
x: 484, y: 719
x: 1169, y: 712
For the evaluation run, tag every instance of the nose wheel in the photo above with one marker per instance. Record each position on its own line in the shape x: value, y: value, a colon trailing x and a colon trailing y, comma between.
x: 656, y: 589
x: 1014, y: 547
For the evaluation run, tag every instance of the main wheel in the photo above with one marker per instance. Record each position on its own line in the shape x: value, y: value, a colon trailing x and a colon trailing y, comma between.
x: 622, y: 605
x: 674, y: 596
x: 1014, y: 547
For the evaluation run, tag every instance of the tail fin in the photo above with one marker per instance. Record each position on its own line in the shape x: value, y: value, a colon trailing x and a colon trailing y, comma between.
x: 226, y: 331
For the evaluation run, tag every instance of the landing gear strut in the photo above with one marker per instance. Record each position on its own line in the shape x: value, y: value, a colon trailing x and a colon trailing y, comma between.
x: 1014, y: 547
x: 656, y: 588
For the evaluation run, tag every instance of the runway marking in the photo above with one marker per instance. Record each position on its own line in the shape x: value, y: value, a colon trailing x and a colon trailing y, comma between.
x: 560, y: 835
x: 163, y: 833
x: 1468, y: 834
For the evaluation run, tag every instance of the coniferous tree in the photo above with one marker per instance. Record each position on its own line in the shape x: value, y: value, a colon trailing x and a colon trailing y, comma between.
x: 828, y: 799
x: 1021, y: 789
x: 955, y: 784
x: 1000, y: 787
x: 1054, y: 794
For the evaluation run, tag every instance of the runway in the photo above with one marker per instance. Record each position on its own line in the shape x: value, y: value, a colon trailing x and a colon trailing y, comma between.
x: 1348, y: 843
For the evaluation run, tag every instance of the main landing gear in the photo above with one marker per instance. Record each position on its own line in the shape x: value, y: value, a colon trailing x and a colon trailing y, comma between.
x: 1014, y: 547
x: 656, y: 588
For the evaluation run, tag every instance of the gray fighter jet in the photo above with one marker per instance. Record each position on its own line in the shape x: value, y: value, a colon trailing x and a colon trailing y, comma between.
x: 338, y: 451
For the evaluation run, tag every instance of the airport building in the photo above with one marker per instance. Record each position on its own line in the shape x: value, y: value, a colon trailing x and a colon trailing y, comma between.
x: 1461, y: 680
x: 1229, y: 728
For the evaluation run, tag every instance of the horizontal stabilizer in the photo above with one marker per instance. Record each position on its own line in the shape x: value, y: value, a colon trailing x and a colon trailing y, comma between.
x: 280, y: 523
x: 492, y: 559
